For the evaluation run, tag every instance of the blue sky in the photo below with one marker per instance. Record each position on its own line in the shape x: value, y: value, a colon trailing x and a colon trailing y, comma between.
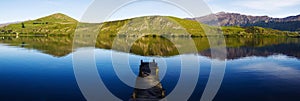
x: 20, y: 10
x: 273, y: 8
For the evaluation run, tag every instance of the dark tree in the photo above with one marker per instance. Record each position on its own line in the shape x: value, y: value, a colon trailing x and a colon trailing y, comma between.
x: 23, y: 26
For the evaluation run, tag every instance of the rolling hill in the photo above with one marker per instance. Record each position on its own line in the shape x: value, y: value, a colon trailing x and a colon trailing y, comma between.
x: 56, y: 24
x: 60, y: 24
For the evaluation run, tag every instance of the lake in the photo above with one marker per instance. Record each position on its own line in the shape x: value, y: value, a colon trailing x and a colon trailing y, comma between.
x: 257, y: 69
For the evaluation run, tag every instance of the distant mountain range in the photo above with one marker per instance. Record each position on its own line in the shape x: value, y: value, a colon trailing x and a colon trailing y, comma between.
x: 291, y: 23
x: 5, y: 24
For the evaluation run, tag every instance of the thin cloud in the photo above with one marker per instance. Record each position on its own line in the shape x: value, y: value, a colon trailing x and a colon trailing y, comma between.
x: 207, y: 0
x: 51, y: 2
x: 274, y: 69
x: 267, y: 5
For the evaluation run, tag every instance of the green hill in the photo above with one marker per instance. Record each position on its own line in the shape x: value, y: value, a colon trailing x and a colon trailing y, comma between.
x: 154, y: 25
x: 56, y: 24
x: 60, y: 24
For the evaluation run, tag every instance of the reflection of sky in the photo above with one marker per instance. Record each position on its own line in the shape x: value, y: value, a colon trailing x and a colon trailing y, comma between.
x: 36, y: 73
x: 274, y: 69
x: 21, y: 60
x: 22, y: 56
x: 29, y: 75
x: 279, y: 66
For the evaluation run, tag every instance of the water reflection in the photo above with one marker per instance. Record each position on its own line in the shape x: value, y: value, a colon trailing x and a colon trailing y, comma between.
x: 55, y: 46
x: 289, y: 49
x: 148, y: 77
x: 274, y: 69
x: 253, y: 78
x: 159, y: 46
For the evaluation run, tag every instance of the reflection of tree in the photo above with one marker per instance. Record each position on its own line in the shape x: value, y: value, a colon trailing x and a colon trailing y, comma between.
x: 148, y: 78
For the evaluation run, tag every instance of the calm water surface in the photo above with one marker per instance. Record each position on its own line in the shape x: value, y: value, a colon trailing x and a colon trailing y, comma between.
x: 268, y: 72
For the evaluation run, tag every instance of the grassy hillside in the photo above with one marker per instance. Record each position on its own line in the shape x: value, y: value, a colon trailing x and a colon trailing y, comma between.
x: 56, y: 24
x: 172, y: 26
x: 60, y: 24
x: 254, y: 31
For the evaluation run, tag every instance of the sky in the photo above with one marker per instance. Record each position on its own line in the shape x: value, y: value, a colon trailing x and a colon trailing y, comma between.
x: 22, y: 10
x: 273, y: 8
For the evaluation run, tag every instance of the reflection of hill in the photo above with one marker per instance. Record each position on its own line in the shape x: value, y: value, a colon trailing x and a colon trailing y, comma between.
x: 158, y: 46
x: 145, y: 46
x: 292, y: 50
x: 55, y: 46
